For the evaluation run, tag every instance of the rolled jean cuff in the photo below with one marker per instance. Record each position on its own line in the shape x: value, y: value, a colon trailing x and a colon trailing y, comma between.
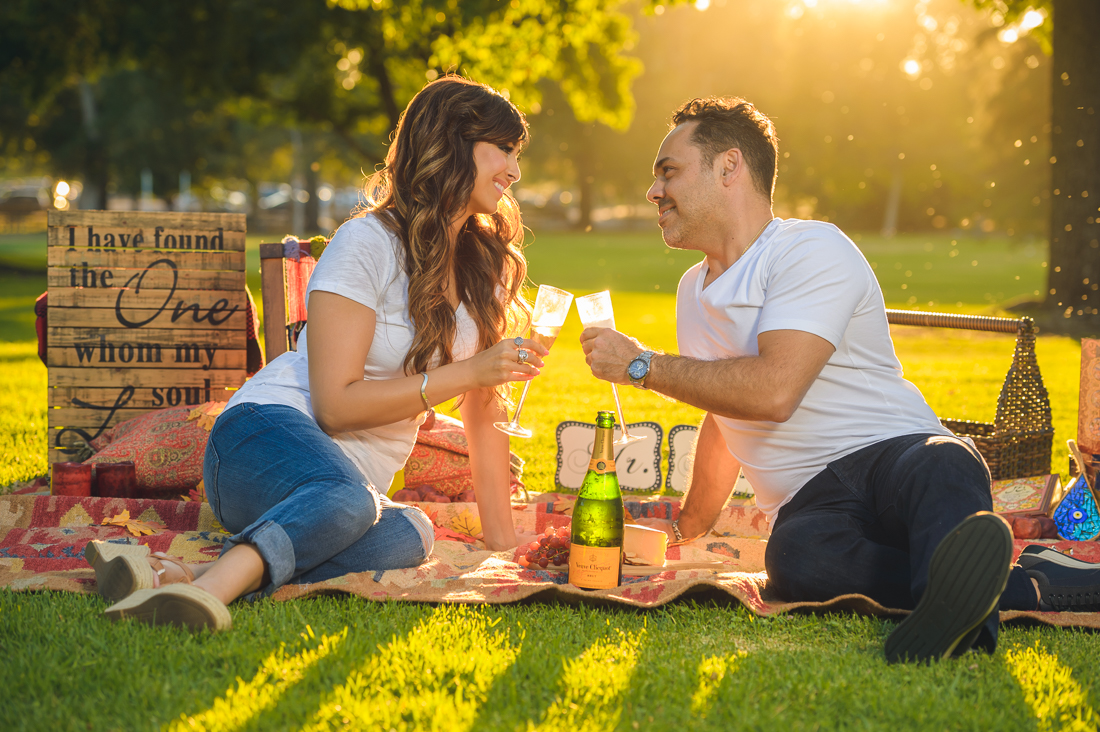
x: 423, y: 526
x: 276, y: 549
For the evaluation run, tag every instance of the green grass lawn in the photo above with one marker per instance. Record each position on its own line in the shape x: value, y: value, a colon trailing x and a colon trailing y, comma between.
x: 345, y: 662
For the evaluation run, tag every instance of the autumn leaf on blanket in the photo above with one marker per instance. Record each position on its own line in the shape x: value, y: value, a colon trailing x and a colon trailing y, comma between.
x: 135, y: 527
x: 466, y: 523
x: 196, y: 494
x: 444, y: 534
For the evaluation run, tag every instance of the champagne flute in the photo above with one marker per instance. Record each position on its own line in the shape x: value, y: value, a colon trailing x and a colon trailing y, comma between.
x: 596, y: 312
x: 551, y: 307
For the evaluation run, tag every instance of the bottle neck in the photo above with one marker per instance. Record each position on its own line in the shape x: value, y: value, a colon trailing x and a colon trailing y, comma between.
x: 604, y: 448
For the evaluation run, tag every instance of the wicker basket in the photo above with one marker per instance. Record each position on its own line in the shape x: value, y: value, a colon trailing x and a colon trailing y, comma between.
x: 1018, y: 443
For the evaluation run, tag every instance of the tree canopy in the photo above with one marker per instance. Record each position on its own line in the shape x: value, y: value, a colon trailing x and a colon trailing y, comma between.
x: 345, y: 69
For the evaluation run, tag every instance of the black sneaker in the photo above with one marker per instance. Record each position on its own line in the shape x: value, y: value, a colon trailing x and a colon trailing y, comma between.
x: 966, y: 577
x: 1065, y: 584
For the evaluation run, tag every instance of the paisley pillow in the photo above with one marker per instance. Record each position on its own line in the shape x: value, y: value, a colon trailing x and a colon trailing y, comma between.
x: 166, y: 447
x: 441, y: 459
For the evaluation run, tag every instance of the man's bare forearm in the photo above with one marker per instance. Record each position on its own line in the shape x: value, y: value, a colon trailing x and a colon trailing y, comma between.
x: 740, y: 388
x: 768, y: 387
x: 713, y: 476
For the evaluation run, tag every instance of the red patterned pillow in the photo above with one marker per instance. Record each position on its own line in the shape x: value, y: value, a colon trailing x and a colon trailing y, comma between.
x: 166, y: 447
x: 441, y: 459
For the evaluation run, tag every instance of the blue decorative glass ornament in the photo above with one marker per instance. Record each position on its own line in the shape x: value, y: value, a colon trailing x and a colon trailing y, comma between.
x: 1077, y: 517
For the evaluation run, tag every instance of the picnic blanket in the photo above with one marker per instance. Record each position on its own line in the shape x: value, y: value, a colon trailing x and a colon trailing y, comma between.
x: 43, y: 540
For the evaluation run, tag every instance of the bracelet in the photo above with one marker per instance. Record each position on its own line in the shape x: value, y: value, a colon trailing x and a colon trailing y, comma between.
x: 424, y: 392
x: 676, y: 530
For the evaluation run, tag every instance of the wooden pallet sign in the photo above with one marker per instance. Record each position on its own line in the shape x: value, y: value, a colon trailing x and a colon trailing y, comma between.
x: 1088, y: 413
x: 146, y: 311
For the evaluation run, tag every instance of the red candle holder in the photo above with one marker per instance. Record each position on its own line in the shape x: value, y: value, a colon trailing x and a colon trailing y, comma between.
x: 71, y: 479
x: 116, y: 480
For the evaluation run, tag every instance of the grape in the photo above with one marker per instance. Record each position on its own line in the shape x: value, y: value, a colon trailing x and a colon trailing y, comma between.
x: 552, y: 547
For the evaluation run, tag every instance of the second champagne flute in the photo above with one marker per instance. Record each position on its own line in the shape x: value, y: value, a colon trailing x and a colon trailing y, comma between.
x: 596, y: 312
x: 551, y: 307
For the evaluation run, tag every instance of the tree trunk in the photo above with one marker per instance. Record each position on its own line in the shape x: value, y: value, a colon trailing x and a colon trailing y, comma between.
x: 297, y: 185
x: 313, y: 208
x: 96, y: 177
x: 583, y: 163
x: 1074, y: 273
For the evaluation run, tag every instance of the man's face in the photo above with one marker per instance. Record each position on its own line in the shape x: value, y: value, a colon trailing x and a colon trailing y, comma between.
x: 685, y: 190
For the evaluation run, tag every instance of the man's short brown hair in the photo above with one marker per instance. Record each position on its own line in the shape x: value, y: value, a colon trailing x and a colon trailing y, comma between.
x: 731, y: 122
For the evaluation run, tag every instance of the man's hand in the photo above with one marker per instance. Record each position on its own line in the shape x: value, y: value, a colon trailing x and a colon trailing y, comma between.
x: 608, y: 352
x: 664, y: 525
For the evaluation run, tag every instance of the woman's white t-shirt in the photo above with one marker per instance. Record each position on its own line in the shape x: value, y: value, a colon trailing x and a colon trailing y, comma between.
x: 806, y: 276
x: 361, y: 263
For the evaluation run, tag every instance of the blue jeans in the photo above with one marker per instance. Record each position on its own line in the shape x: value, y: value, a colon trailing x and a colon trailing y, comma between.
x: 870, y: 521
x: 282, y: 485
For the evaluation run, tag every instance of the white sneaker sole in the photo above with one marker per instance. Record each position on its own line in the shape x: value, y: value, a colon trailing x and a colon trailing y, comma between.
x: 1046, y: 554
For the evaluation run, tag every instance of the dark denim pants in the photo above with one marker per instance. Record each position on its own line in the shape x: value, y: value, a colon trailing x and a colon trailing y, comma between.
x: 870, y: 522
x: 276, y: 480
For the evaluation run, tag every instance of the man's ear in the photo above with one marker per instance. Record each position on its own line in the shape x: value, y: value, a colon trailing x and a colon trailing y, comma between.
x: 732, y: 164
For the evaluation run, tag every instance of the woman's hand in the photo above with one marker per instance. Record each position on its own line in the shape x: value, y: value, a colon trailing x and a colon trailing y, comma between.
x: 506, y: 362
x: 523, y: 538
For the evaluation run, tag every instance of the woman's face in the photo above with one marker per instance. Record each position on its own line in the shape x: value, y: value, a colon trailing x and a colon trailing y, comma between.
x: 497, y: 169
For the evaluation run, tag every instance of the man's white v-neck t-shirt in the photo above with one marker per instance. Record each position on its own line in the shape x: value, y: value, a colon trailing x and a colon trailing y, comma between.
x: 806, y: 276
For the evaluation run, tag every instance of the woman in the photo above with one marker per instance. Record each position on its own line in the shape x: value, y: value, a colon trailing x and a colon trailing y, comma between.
x: 413, y: 303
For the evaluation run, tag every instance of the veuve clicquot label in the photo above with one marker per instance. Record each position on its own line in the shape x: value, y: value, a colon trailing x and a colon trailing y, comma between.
x: 594, y: 567
x: 596, y: 546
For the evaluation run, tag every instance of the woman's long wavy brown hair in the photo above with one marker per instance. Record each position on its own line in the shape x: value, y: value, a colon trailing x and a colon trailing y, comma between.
x: 423, y: 188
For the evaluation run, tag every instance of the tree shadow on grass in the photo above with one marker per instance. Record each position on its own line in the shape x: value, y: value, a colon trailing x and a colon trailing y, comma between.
x: 815, y: 672
x: 534, y: 687
x: 368, y: 626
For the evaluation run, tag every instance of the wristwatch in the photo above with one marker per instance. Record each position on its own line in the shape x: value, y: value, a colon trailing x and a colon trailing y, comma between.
x: 639, y: 369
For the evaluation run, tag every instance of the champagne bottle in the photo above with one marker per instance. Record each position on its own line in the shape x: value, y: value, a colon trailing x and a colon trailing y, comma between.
x: 596, y: 548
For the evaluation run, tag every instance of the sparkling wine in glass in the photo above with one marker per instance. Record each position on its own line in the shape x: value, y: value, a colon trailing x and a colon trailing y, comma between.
x: 551, y: 307
x: 596, y: 312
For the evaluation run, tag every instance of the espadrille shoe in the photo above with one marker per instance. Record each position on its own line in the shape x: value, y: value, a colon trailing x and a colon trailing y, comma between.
x: 184, y: 605
x: 966, y: 577
x: 182, y: 573
x: 119, y: 568
x: 124, y: 568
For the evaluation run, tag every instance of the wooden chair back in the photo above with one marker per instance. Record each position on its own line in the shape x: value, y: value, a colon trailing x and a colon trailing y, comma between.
x: 273, y: 282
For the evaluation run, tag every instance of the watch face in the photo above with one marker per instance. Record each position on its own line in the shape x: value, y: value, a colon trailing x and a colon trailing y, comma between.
x: 637, y: 369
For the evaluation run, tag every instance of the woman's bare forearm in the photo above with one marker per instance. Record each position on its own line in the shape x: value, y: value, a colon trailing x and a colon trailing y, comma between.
x: 489, y: 464
x: 366, y: 404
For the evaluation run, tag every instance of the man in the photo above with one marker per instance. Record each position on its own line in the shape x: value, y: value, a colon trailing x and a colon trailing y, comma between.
x: 785, y: 344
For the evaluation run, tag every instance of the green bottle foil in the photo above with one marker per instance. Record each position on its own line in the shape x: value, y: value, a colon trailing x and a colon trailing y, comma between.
x: 595, y: 553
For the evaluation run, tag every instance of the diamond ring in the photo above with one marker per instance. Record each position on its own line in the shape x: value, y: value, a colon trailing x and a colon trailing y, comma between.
x: 518, y: 340
x: 522, y: 354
